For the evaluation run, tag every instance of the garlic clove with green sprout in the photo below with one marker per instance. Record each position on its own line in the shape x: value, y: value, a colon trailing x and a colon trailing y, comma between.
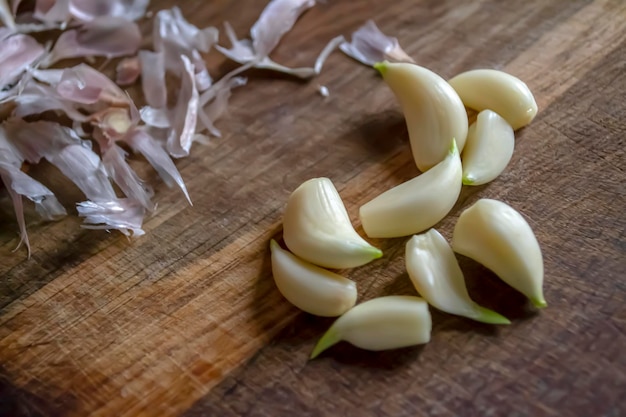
x: 316, y: 227
x: 499, y: 91
x: 309, y: 287
x: 488, y: 150
x: 496, y: 235
x: 417, y: 204
x: 383, y: 323
x: 436, y: 275
x: 434, y: 113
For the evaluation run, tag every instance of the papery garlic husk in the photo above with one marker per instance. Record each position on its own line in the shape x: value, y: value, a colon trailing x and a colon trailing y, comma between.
x: 499, y: 91
x: 416, y: 205
x: 311, y: 288
x: 436, y: 275
x: 316, y: 227
x: 434, y: 113
x: 383, y: 323
x: 6, y: 16
x: 488, y: 149
x: 496, y: 235
x: 369, y: 45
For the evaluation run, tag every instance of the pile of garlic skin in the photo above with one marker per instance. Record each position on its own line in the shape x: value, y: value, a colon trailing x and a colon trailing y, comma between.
x: 450, y: 153
x: 58, y: 113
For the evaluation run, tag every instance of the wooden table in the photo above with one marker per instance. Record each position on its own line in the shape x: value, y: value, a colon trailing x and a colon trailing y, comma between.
x: 186, y: 321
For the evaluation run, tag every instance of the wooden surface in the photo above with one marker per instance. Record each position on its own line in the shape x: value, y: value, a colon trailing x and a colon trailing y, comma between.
x: 186, y: 321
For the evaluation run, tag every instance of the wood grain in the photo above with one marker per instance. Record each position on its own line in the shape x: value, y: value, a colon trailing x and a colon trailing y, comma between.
x: 187, y: 321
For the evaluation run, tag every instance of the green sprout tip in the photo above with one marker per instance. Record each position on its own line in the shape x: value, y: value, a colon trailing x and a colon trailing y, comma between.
x: 330, y: 338
x: 490, y: 317
x: 381, y: 67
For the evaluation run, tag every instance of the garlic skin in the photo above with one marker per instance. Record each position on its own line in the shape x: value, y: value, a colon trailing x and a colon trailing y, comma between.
x: 434, y: 113
x: 488, y: 150
x: 417, y: 204
x: 503, y: 93
x: 436, y: 275
x: 369, y: 46
x: 316, y: 227
x: 383, y: 323
x: 309, y: 287
x: 496, y: 235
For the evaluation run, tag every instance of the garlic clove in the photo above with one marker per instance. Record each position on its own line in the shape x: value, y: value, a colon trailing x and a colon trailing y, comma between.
x: 316, y: 227
x: 417, y: 204
x: 496, y: 90
x: 496, y: 235
x: 434, y: 113
x: 488, y: 150
x: 383, y: 323
x: 309, y: 287
x: 436, y: 275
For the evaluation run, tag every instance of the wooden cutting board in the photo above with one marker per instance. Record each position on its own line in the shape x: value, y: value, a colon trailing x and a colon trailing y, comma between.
x: 186, y: 320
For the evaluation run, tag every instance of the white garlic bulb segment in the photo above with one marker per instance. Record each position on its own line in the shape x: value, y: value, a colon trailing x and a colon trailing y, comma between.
x: 488, y: 149
x: 496, y: 235
x: 499, y: 91
x: 316, y: 227
x: 417, y: 204
x: 436, y: 275
x: 383, y: 323
x: 434, y: 113
x: 309, y: 287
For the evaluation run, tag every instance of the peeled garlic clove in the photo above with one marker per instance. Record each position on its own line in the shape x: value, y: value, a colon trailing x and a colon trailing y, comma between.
x: 436, y: 275
x: 417, y: 204
x: 434, y: 113
x: 383, y: 323
x: 497, y: 236
x: 309, y: 287
x: 496, y: 90
x: 316, y: 227
x: 488, y: 150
